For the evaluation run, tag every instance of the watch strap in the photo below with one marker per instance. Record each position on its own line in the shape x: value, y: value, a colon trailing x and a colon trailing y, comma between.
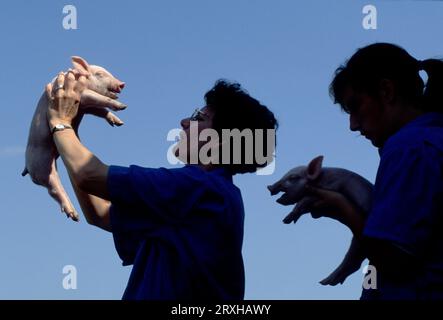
x: 60, y: 127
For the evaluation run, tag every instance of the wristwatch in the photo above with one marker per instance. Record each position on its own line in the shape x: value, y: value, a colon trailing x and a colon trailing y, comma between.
x: 60, y: 127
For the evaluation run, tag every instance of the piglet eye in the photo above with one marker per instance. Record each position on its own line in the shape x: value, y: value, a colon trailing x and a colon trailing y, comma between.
x: 99, y: 74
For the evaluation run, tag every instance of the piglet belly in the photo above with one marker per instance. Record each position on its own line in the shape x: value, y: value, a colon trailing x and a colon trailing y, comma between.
x: 40, y: 150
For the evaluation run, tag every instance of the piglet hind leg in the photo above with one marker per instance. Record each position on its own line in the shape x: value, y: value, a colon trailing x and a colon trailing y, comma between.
x: 58, y: 193
x: 350, y: 264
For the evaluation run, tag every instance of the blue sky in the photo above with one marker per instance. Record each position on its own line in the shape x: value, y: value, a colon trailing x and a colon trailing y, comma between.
x: 170, y: 53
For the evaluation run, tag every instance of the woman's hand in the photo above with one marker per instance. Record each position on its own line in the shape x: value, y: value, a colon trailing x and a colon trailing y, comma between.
x: 64, y: 97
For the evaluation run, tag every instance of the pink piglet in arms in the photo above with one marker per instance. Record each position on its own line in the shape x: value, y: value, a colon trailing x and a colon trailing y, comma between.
x: 100, y: 95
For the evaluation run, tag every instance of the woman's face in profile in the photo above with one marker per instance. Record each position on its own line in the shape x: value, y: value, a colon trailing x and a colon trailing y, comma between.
x: 184, y: 148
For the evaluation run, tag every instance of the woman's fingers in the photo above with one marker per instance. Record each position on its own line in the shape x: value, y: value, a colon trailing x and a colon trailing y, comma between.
x: 80, y: 84
x: 60, y: 80
x: 79, y: 73
x: 74, y: 84
x: 69, y: 81
x: 48, y: 90
x: 59, y: 85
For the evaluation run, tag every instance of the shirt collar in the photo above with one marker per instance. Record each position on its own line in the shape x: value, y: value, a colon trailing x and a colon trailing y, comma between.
x: 221, y: 171
x: 424, y: 120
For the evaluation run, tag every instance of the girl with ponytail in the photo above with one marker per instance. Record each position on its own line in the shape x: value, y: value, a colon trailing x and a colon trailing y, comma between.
x: 388, y: 102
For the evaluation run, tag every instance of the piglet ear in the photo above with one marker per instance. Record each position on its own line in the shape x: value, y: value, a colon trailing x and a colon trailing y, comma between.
x: 314, y: 168
x: 81, y: 65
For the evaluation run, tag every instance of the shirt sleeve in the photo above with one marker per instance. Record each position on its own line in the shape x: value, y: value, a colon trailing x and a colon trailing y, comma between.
x: 406, y: 198
x: 165, y: 194
x: 144, y: 200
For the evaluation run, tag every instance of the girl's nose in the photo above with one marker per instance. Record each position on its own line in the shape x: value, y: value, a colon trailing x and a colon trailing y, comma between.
x: 353, y: 123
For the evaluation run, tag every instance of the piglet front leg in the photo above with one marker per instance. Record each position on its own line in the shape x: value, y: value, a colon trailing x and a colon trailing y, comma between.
x: 92, y: 98
x: 302, y: 207
x: 112, y: 119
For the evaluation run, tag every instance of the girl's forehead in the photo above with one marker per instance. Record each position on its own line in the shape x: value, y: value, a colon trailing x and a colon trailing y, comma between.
x: 348, y: 94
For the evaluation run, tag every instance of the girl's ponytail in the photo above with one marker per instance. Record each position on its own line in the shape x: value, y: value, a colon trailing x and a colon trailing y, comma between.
x: 433, y: 92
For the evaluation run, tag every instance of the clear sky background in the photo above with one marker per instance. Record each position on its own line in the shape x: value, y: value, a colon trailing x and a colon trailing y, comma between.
x: 170, y: 53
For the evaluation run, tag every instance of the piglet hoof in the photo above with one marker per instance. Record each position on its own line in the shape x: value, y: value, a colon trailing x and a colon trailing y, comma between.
x: 25, y: 172
x: 121, y: 106
x: 291, y: 217
x: 71, y: 213
x: 332, y: 280
x: 116, y: 105
x: 113, y: 120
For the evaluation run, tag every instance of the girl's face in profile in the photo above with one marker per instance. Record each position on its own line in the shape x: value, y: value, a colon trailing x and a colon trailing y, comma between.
x: 366, y: 115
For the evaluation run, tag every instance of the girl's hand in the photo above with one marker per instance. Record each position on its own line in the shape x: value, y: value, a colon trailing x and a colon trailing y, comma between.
x: 334, y: 205
x: 330, y: 204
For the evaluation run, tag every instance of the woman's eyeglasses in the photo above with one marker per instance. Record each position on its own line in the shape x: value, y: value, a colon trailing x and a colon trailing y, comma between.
x: 197, y: 115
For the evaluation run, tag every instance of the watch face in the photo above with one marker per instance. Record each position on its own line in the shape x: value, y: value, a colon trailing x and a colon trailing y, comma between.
x: 60, y: 126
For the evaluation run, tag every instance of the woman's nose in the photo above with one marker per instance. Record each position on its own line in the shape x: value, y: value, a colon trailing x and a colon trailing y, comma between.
x: 184, y: 123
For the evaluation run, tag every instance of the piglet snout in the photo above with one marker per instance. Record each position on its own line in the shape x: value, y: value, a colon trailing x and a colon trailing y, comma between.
x: 273, y: 189
x: 119, y: 87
